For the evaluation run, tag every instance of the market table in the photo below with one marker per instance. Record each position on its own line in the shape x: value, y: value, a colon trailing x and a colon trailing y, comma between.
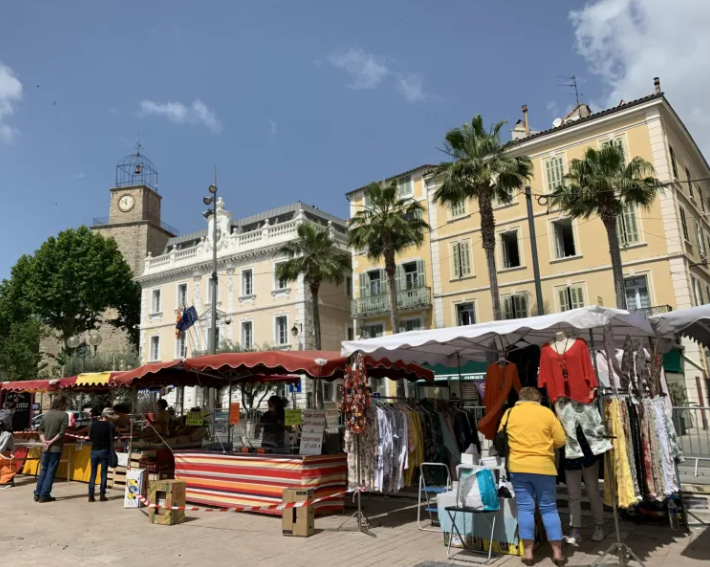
x: 250, y: 479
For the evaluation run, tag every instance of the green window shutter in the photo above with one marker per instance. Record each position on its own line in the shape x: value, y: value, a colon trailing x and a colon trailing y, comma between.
x: 465, y: 258
x: 521, y: 305
x: 562, y: 294
x: 508, y: 308
x: 364, y: 288
x: 399, y: 278
x: 384, y: 283
x: 421, y: 274
x: 577, y: 296
x: 456, y: 259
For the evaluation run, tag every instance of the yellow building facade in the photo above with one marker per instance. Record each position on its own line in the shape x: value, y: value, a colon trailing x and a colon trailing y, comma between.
x: 663, y: 249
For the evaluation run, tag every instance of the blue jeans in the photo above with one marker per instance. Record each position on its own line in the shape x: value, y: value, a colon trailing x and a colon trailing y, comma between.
x: 543, y: 489
x: 50, y: 463
x: 99, y: 457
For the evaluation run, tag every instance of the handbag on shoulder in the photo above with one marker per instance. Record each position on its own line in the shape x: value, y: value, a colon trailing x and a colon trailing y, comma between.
x: 501, y: 441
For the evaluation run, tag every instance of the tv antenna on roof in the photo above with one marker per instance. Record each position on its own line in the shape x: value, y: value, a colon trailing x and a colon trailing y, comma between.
x: 571, y: 83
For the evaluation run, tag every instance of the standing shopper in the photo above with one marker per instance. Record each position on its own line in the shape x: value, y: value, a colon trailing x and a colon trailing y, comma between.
x: 101, y: 436
x: 7, y: 445
x: 534, y: 432
x: 51, y: 433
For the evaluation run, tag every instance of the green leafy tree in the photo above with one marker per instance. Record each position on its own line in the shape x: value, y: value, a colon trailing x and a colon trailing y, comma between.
x: 604, y: 184
x: 484, y: 171
x: 386, y: 226
x: 75, y: 277
x: 317, y: 258
x: 20, y: 331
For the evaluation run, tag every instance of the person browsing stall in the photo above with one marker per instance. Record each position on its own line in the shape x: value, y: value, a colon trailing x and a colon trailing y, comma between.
x: 7, y: 467
x: 272, y: 423
x: 101, y: 435
x: 51, y: 432
x: 161, y: 423
x: 534, y: 432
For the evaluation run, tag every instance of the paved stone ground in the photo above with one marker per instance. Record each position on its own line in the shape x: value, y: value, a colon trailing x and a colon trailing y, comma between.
x: 72, y: 532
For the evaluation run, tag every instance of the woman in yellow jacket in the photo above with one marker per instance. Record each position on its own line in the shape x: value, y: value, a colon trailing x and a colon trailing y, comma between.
x: 534, y: 432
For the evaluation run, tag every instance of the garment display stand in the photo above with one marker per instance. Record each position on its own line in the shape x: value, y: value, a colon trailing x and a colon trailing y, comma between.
x: 363, y: 524
x: 622, y: 551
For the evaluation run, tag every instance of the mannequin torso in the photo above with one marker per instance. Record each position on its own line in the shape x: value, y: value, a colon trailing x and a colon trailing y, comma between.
x: 562, y: 342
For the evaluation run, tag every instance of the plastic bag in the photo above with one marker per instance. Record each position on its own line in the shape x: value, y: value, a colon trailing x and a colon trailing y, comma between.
x: 479, y: 491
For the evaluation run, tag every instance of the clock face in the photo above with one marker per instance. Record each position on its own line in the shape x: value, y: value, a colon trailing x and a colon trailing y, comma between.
x: 125, y: 203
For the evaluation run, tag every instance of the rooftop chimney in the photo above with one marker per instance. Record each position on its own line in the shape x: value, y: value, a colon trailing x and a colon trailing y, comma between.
x: 525, y: 119
x: 657, y: 84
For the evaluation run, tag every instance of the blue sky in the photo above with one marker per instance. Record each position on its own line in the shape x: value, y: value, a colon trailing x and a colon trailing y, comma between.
x: 292, y: 100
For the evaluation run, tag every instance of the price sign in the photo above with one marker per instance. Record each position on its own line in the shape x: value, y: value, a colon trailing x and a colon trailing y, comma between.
x: 293, y: 417
x: 195, y: 419
x: 234, y: 413
x: 314, y: 422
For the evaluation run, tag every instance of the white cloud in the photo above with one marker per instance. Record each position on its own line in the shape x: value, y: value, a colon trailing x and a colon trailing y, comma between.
x: 553, y: 108
x: 272, y: 126
x: 628, y: 42
x: 80, y: 175
x: 10, y: 94
x: 177, y: 112
x: 366, y: 70
x: 411, y: 87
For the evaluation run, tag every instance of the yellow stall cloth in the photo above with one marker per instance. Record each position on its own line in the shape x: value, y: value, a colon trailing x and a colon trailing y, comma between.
x: 93, y: 379
x: 75, y: 463
x: 619, y: 457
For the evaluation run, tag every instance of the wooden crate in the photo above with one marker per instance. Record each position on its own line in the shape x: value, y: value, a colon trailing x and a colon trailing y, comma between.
x: 167, y: 493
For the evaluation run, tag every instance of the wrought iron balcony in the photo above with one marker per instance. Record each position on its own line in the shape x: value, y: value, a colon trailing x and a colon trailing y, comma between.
x: 655, y: 310
x: 407, y: 300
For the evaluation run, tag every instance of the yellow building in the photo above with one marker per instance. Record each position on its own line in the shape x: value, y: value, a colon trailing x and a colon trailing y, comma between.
x: 254, y: 308
x: 661, y: 247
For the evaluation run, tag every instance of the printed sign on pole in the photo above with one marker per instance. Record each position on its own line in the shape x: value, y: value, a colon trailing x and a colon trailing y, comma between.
x: 292, y: 417
x: 314, y: 422
x: 234, y: 413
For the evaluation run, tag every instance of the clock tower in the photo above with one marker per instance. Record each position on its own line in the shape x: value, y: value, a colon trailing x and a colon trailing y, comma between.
x: 134, y: 220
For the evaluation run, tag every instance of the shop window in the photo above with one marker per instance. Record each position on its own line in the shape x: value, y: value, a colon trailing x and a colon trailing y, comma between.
x: 636, y: 290
x: 515, y: 306
x: 465, y: 314
x: 511, y: 252
x: 564, y: 238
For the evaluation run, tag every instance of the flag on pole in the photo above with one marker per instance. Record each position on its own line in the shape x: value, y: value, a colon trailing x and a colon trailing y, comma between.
x: 188, y: 319
x: 178, y: 330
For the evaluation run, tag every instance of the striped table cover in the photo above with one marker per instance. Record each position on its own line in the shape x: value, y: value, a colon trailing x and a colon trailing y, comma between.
x: 216, y: 479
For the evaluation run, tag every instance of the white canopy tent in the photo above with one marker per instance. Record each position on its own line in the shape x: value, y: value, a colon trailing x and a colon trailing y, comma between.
x: 693, y: 323
x: 453, y: 346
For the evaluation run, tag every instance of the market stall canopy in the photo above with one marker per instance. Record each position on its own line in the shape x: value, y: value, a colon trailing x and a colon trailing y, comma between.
x: 30, y: 386
x: 328, y: 365
x: 457, y: 345
x: 693, y: 323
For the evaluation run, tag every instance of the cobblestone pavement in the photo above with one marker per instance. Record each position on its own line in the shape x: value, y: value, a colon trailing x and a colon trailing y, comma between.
x: 74, y: 533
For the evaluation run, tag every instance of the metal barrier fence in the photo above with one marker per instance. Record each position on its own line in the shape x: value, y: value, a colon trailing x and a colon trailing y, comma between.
x: 692, y: 426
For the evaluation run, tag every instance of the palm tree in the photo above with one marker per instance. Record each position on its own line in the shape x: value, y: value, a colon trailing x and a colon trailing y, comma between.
x: 604, y: 184
x: 384, y: 227
x: 315, y: 256
x: 483, y: 170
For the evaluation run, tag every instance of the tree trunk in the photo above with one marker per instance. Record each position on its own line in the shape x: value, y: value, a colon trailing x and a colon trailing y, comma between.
x: 315, y: 288
x: 391, y: 269
x: 617, y: 269
x: 488, y: 234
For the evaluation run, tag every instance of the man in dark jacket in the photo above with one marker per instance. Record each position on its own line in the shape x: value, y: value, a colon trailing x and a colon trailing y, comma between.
x: 7, y: 467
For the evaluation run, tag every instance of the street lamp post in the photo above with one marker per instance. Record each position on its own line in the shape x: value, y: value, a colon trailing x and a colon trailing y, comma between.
x: 212, y: 200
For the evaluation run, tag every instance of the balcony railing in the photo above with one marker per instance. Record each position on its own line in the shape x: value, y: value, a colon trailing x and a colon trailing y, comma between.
x: 407, y: 300
x: 655, y: 310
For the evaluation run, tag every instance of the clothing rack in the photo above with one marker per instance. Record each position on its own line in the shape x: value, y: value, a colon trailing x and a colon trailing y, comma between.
x: 622, y: 551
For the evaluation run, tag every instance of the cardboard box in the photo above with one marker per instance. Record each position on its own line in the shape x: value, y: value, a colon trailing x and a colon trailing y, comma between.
x: 166, y: 493
x: 135, y: 486
x: 298, y: 522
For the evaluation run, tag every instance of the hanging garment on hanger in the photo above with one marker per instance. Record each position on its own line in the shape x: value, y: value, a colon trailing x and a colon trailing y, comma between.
x: 639, y: 460
x: 670, y: 482
x: 626, y: 423
x: 569, y: 374
x: 626, y: 496
x: 627, y: 365
x: 499, y: 383
x: 572, y: 414
x: 527, y: 361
